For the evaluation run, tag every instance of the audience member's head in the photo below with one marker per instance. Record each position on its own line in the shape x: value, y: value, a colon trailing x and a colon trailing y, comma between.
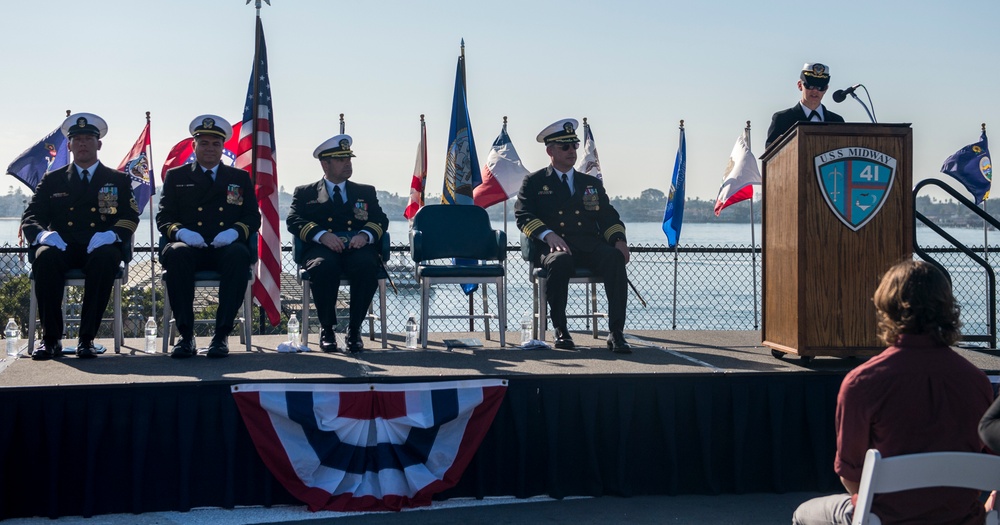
x: 915, y: 297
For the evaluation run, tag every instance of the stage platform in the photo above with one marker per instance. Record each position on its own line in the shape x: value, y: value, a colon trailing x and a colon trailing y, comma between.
x: 689, y: 412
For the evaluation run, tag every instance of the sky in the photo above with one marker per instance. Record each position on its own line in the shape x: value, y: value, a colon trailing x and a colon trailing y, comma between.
x: 633, y: 68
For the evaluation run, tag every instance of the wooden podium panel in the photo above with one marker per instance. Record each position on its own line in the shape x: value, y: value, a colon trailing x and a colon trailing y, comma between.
x: 819, y: 274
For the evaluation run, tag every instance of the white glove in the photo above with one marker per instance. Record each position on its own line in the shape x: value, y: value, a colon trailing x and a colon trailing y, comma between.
x: 100, y: 239
x: 191, y: 238
x: 225, y: 238
x: 50, y: 238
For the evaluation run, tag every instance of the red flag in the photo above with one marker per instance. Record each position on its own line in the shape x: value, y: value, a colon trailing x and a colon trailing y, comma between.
x: 255, y: 153
x: 136, y: 165
x: 419, y: 180
x: 502, y: 174
x: 182, y: 153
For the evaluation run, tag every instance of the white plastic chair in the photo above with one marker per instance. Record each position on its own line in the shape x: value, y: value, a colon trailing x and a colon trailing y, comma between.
x: 930, y: 469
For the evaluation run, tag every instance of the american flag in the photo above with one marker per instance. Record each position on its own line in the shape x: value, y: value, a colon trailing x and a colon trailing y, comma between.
x: 257, y: 143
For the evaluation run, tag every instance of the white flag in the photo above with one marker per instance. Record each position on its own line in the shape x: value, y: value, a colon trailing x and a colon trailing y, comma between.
x: 589, y: 164
x: 740, y: 176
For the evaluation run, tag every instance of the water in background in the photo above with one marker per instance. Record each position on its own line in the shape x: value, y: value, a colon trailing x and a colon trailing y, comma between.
x: 639, y: 234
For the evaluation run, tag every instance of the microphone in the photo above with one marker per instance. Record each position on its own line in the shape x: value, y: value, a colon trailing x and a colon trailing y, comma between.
x: 841, y: 94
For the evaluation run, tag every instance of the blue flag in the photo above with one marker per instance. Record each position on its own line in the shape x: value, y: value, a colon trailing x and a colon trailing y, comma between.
x: 48, y: 154
x: 673, y: 215
x: 461, y: 171
x: 972, y: 167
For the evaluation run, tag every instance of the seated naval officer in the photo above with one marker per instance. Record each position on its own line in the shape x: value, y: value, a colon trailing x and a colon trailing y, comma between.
x: 341, y: 224
x: 814, y: 79
x: 208, y: 211
x: 80, y: 216
x: 569, y: 215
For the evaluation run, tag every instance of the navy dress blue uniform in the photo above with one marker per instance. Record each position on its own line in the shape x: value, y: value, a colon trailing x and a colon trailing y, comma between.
x: 191, y: 200
x: 67, y: 204
x: 588, y: 224
x: 314, y: 212
x: 782, y: 121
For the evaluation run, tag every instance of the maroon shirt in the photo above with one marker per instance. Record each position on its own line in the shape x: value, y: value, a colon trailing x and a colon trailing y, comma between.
x: 916, y: 396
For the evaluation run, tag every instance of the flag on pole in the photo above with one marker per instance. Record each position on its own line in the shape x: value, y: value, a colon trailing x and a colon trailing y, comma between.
x: 419, y: 180
x: 740, y: 176
x: 46, y: 155
x: 367, y: 447
x: 255, y: 153
x: 972, y: 167
x: 502, y: 174
x: 183, y: 153
x: 590, y: 163
x: 673, y: 215
x: 136, y: 165
x: 461, y: 171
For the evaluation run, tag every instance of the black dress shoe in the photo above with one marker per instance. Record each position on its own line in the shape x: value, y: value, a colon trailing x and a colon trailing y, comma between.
x: 85, y: 349
x: 563, y: 340
x: 617, y: 343
x: 354, y: 344
x: 328, y: 340
x: 218, y: 348
x: 45, y: 351
x: 184, y: 348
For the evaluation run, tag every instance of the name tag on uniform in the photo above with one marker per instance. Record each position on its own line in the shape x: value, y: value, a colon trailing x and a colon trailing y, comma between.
x: 234, y: 194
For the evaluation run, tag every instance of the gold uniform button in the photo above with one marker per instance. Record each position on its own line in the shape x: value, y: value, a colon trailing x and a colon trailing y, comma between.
x: 578, y: 212
x: 92, y: 225
x: 562, y: 224
x: 330, y: 230
x: 579, y: 224
x: 71, y: 209
x: 199, y: 208
x: 222, y: 224
x: 560, y: 212
x: 348, y: 223
x: 220, y: 208
x: 329, y: 219
x: 199, y: 223
x: 70, y: 223
x: 93, y: 210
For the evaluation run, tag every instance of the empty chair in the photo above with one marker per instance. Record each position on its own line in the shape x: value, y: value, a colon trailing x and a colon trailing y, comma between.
x: 458, y: 231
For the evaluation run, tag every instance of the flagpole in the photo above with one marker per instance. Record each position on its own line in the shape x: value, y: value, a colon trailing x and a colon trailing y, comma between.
x: 753, y: 237
x: 342, y: 124
x: 986, y: 228
x: 255, y: 111
x: 149, y: 205
x: 673, y: 314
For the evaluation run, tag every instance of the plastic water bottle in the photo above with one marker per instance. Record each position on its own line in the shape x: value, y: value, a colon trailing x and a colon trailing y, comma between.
x: 526, y: 330
x: 411, y: 332
x: 293, y: 331
x: 12, y: 333
x: 151, y: 335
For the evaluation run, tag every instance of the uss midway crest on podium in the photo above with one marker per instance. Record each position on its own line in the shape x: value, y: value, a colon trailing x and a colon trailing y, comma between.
x: 855, y: 183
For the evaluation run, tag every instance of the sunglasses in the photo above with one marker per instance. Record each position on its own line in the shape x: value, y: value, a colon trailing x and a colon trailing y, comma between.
x: 568, y: 146
x: 814, y: 88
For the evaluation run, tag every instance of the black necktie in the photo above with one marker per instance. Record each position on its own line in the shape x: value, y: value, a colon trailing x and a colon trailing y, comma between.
x: 812, y: 114
x: 565, y: 179
x: 338, y: 199
x: 209, y: 174
x: 85, y: 177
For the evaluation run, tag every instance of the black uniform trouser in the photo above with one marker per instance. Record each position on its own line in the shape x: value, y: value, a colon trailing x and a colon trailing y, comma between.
x: 181, y: 261
x: 49, y: 270
x: 604, y: 260
x: 326, y: 267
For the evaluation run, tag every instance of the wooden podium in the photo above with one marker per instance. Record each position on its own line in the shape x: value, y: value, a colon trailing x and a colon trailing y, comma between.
x: 837, y: 213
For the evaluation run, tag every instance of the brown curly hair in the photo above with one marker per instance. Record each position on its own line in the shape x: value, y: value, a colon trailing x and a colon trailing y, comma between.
x: 915, y: 297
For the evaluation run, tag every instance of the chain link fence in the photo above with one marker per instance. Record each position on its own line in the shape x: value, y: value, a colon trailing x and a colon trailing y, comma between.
x: 694, y: 288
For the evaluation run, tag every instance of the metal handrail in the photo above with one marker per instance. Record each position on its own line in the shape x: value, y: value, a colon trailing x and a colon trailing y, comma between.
x: 991, y: 337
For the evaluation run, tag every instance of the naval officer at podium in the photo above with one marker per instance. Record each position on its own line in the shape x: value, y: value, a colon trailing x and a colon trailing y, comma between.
x: 813, y: 81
